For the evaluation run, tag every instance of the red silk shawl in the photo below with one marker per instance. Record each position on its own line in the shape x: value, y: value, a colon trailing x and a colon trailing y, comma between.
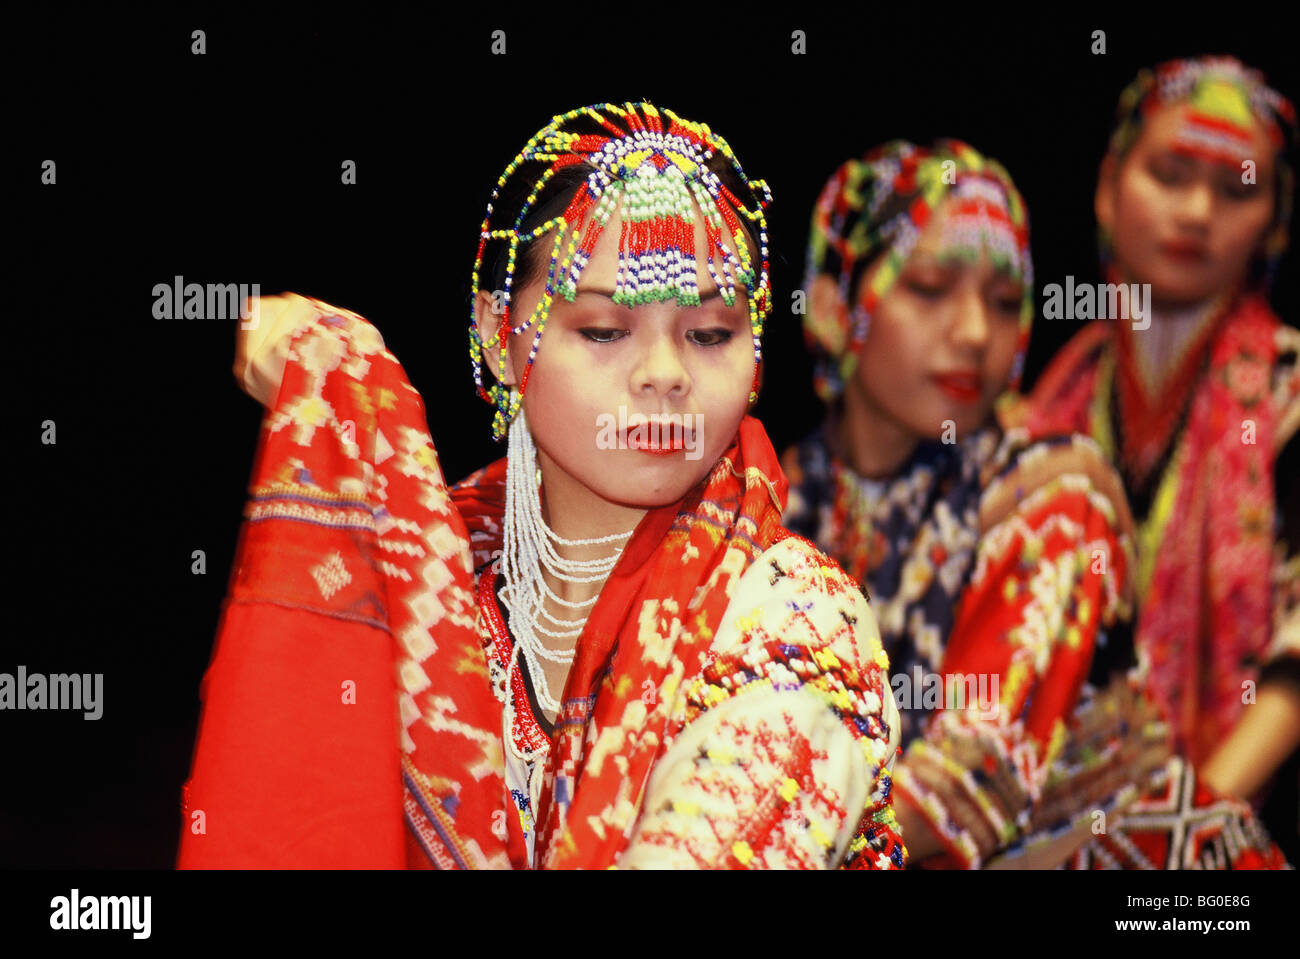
x: 348, y: 719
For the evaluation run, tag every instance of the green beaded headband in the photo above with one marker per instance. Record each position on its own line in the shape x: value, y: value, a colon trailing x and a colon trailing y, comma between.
x: 658, y: 178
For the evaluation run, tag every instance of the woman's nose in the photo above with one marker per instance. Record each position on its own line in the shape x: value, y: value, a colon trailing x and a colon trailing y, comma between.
x: 1197, y: 204
x: 971, y: 324
x: 660, y: 369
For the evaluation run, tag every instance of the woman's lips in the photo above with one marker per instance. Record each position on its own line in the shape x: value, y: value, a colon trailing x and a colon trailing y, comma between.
x: 659, y: 439
x: 962, y: 387
x: 1185, y: 251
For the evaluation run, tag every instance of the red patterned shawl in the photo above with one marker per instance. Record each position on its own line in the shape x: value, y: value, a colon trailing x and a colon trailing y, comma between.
x: 353, y: 557
x: 1205, y: 620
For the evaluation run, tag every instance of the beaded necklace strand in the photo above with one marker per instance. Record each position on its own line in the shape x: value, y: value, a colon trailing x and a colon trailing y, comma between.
x: 529, y: 552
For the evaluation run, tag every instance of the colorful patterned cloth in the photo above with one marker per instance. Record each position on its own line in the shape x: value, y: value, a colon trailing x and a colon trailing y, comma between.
x: 1007, y: 562
x: 1218, y: 584
x: 1006, y: 558
x: 1179, y: 823
x: 728, y: 705
x: 1208, y: 539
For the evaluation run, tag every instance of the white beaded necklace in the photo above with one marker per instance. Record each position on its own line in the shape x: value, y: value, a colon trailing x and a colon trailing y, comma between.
x: 529, y: 548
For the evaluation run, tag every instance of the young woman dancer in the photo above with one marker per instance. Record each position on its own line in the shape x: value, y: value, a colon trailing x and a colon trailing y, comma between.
x: 1199, y: 403
x: 604, y: 649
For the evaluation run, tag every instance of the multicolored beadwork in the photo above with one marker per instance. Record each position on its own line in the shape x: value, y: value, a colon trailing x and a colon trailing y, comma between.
x: 879, y: 205
x: 1227, y: 98
x: 660, y: 181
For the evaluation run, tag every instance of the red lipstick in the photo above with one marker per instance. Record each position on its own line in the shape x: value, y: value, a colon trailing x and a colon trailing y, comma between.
x: 962, y: 386
x: 1186, y: 251
x: 659, y: 438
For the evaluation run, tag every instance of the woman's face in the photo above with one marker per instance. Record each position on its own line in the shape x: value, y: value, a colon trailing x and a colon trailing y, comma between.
x: 1181, y: 218
x: 680, y: 373
x: 941, y: 342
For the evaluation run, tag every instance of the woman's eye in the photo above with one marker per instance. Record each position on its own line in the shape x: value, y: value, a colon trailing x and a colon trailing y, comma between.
x: 1233, y: 189
x: 1009, y: 304
x: 709, y: 337
x: 1167, y: 171
x: 926, y: 289
x: 602, y: 334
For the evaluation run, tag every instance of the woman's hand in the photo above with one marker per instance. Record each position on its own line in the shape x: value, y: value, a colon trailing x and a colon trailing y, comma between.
x: 262, y: 347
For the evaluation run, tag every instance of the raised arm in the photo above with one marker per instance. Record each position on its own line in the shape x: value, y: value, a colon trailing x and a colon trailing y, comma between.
x: 350, y: 598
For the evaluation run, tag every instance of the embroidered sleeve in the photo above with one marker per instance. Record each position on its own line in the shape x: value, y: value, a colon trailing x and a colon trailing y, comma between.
x: 784, y: 757
x: 1052, y: 570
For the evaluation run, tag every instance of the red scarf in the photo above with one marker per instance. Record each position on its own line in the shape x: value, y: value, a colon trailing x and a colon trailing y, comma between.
x: 1206, y: 618
x: 355, y: 559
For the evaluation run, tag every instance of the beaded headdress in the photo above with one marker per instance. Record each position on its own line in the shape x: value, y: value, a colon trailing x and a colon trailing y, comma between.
x: 652, y: 165
x: 878, y: 206
x: 1228, y: 98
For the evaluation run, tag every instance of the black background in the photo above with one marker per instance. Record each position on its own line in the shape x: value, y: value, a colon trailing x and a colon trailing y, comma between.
x: 226, y: 168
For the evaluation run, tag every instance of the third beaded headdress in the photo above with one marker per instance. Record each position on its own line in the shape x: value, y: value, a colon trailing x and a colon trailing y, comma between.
x: 1227, y: 99
x: 660, y: 171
